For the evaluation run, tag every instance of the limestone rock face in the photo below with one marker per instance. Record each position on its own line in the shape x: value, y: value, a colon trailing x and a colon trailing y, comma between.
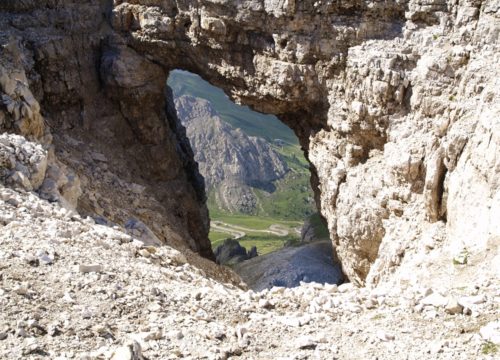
x: 231, y: 162
x: 115, y: 148
x: 20, y: 109
x: 395, y: 104
x: 386, y: 99
x: 22, y: 164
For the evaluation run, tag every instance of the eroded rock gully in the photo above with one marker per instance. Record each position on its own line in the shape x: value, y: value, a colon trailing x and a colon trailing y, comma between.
x: 395, y: 104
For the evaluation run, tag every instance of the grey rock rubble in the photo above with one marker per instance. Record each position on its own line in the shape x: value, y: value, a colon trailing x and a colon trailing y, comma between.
x: 290, y: 266
x: 107, y: 295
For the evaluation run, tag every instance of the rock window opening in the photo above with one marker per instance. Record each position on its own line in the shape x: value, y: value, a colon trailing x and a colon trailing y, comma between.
x: 264, y: 222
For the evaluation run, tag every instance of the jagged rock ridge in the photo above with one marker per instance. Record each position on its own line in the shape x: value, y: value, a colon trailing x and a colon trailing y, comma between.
x: 231, y: 162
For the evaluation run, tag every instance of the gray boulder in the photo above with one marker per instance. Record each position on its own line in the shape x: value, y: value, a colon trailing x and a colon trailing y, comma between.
x: 289, y: 266
x: 231, y: 252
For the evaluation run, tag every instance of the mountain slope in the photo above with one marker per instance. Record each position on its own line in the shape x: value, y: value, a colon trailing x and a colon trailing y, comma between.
x: 232, y: 162
x: 74, y: 289
x: 251, y: 122
x: 254, y: 169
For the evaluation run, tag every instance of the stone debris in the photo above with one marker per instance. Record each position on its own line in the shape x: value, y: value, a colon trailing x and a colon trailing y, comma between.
x: 435, y: 299
x: 345, y: 287
x: 453, y: 307
x: 384, y: 336
x: 306, y: 342
x: 90, y: 268
x: 472, y: 300
x: 120, y: 304
x: 22, y: 163
x: 129, y: 352
x: 45, y: 258
x: 491, y: 332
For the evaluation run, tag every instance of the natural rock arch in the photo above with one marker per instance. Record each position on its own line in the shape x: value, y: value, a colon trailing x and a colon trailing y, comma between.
x: 278, y: 57
x: 379, y: 93
x: 288, y: 59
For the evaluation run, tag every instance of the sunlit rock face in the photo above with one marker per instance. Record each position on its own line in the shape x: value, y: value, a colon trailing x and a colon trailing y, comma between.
x: 395, y: 104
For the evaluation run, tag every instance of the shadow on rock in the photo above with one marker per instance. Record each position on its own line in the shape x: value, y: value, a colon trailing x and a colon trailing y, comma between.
x: 230, y: 252
x: 289, y: 266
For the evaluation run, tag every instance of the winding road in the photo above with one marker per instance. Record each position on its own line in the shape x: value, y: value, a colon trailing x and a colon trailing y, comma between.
x: 237, y: 232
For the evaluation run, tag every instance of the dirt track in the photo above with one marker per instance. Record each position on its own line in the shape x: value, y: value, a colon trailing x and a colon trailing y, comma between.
x: 237, y: 232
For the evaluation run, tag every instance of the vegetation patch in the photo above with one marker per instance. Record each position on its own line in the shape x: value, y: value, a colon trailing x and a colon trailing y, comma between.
x: 489, y: 348
x: 217, y: 236
x: 462, y: 258
x: 320, y: 229
x: 252, y: 123
x: 378, y: 317
x: 255, y: 234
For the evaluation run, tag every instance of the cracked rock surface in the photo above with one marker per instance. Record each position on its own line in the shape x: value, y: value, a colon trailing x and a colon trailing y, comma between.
x: 395, y: 103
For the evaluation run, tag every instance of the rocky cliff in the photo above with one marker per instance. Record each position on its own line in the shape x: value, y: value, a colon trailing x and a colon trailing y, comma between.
x: 231, y: 162
x: 68, y: 83
x: 395, y: 104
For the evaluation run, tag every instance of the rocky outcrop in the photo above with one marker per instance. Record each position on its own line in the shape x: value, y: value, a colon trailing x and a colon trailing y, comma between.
x: 290, y: 266
x: 385, y: 98
x: 115, y: 148
x: 395, y: 104
x: 231, y: 162
x: 22, y: 164
x: 230, y: 252
x: 307, y: 233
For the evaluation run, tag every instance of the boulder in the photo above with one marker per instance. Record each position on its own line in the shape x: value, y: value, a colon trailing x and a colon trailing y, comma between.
x: 230, y: 252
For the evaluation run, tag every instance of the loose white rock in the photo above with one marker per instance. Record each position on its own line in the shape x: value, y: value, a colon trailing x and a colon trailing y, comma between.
x: 346, y: 287
x: 491, y: 332
x: 435, y: 299
x: 385, y: 336
x: 305, y: 342
x: 453, y: 307
x: 90, y: 268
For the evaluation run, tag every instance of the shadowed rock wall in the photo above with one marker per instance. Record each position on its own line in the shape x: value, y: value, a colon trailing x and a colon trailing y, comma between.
x: 117, y: 150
